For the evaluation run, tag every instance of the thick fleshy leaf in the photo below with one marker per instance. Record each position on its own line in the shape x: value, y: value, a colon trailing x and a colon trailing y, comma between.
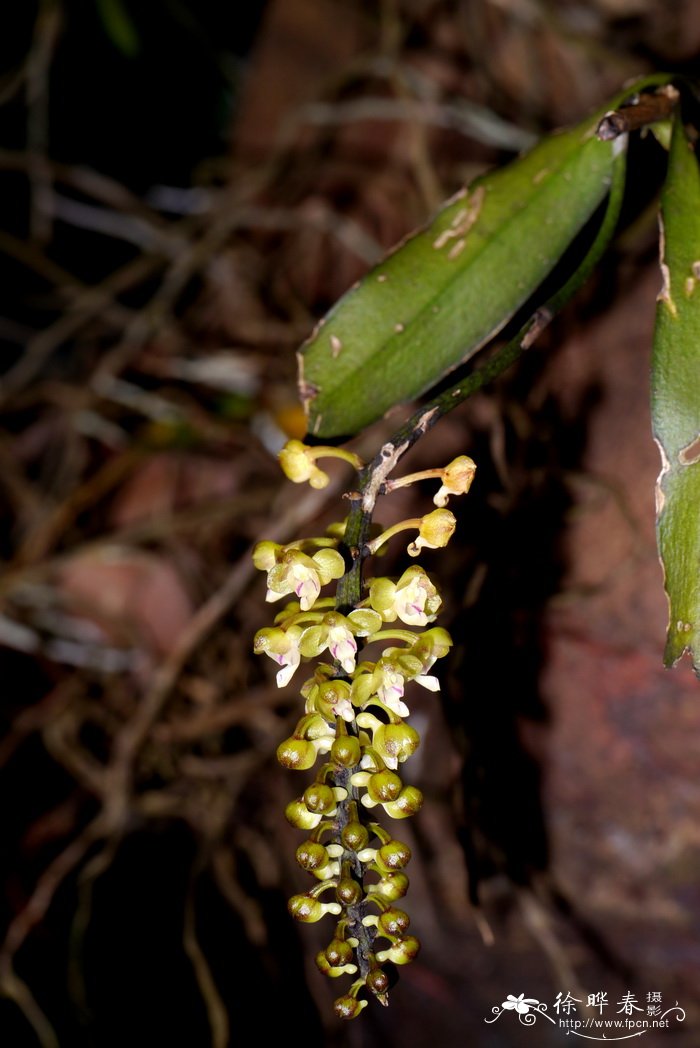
x: 452, y: 286
x: 676, y: 399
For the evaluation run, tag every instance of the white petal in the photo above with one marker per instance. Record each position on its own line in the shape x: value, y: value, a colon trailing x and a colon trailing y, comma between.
x: 431, y: 683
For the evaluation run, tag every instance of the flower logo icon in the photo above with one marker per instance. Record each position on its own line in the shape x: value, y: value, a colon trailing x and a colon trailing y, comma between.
x: 520, y: 1004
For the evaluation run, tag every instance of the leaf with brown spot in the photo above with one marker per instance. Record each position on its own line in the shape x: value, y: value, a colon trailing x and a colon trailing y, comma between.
x: 676, y: 399
x: 449, y: 288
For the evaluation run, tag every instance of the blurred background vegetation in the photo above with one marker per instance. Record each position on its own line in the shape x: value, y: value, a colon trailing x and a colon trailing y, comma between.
x: 185, y: 189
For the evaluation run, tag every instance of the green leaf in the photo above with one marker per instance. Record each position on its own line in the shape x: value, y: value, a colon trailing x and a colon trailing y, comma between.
x: 448, y: 289
x: 676, y: 399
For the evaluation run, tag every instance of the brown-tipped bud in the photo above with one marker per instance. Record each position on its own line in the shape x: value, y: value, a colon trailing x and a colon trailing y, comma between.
x: 348, y: 1007
x: 394, y: 921
x: 384, y: 786
x: 311, y: 855
x: 297, y: 754
x: 339, y: 952
x: 346, y: 751
x: 393, y: 856
x: 355, y: 836
x: 319, y: 798
x: 306, y: 908
x: 408, y: 802
x: 377, y: 982
x: 401, y: 952
x: 391, y: 887
x: 348, y: 892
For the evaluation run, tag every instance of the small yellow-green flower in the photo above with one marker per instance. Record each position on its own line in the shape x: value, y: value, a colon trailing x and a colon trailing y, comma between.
x: 295, y: 572
x: 383, y: 680
x: 413, y: 599
x: 435, y: 531
x: 282, y: 646
x: 298, y: 462
x: 457, y: 479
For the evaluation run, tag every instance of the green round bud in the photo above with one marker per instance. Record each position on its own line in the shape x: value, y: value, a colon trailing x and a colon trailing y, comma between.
x: 384, y: 786
x: 392, y: 886
x: 299, y: 815
x: 348, y: 892
x: 346, y: 751
x: 319, y: 798
x: 393, y: 856
x: 305, y: 908
x: 394, y: 921
x: 311, y: 855
x: 377, y: 982
x: 297, y: 754
x: 354, y: 836
x: 348, y: 1007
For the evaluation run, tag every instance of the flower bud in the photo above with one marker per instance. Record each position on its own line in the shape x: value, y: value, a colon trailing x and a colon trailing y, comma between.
x: 333, y: 971
x: 320, y: 798
x: 393, y: 856
x: 354, y: 836
x: 311, y: 855
x: 408, y: 802
x: 377, y: 982
x: 306, y: 908
x: 435, y: 531
x: 394, y: 921
x: 391, y: 887
x: 297, y: 463
x: 297, y: 754
x: 348, y: 892
x: 401, y: 952
x: 346, y: 751
x: 457, y: 479
x: 384, y: 786
x: 338, y: 952
x: 299, y: 815
x: 348, y: 1007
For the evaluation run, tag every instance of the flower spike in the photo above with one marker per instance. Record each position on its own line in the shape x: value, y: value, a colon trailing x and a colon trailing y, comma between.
x: 354, y: 719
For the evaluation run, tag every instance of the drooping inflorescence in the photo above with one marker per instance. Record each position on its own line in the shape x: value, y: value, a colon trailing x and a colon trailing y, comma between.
x: 354, y: 722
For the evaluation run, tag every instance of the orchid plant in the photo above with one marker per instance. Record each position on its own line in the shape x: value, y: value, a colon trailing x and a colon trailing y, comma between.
x: 488, y: 259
